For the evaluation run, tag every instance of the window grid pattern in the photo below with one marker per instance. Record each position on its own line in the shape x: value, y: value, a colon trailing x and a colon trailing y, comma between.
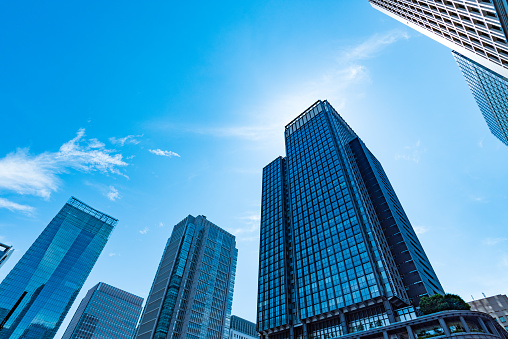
x: 332, y: 265
x: 490, y: 91
x: 192, y: 293
x: 272, y: 276
x: 471, y: 24
x: 52, y: 272
x: 106, y: 312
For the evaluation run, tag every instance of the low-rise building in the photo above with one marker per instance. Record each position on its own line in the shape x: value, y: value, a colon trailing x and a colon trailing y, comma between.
x: 242, y: 329
x: 496, y: 306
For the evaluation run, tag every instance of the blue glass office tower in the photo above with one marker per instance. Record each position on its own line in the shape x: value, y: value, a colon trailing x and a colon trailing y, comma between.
x: 192, y: 293
x: 40, y: 289
x: 106, y: 312
x: 337, y: 253
x: 490, y: 91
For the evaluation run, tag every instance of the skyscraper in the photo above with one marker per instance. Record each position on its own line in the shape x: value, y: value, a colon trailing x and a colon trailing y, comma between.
x: 5, y: 253
x: 38, y: 292
x: 491, y: 93
x: 477, y: 32
x: 192, y: 292
x: 337, y: 252
x: 106, y: 312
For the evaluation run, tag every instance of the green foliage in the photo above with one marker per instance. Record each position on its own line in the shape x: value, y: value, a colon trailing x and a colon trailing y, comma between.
x: 439, y: 302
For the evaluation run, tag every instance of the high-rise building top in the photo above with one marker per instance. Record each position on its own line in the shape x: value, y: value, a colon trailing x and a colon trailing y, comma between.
x: 337, y: 252
x: 242, y: 329
x: 490, y: 91
x: 496, y: 306
x: 192, y: 292
x: 105, y: 312
x: 5, y: 253
x: 475, y: 29
x: 38, y: 292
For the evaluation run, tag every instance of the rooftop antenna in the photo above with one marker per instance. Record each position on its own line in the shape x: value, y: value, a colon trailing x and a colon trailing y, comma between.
x: 484, y: 295
x: 472, y: 297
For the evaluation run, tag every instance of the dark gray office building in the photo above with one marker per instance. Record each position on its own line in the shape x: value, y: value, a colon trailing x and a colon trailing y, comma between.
x: 192, y: 293
x: 38, y: 292
x: 338, y: 254
x: 106, y: 312
x: 5, y: 253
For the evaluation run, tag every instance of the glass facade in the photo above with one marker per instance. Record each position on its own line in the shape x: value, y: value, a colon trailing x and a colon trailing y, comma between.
x: 38, y: 292
x: 490, y: 91
x: 105, y: 312
x: 192, y: 292
x: 5, y: 253
x: 334, y: 236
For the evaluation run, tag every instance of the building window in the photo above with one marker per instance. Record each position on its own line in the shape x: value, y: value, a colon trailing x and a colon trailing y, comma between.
x: 502, y: 319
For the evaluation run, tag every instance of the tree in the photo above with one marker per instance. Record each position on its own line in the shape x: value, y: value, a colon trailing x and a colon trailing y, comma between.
x: 439, y: 302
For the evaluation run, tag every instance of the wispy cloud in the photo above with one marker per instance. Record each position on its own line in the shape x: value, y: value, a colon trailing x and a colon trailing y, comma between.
x: 144, y: 230
x: 113, y: 254
x: 333, y: 82
x: 164, y: 153
x: 250, y: 229
x: 39, y: 175
x: 161, y: 224
x: 479, y: 199
x: 113, y: 193
x: 493, y: 241
x: 411, y: 153
x: 419, y: 230
x: 372, y: 46
x: 130, y: 139
x: 12, y: 206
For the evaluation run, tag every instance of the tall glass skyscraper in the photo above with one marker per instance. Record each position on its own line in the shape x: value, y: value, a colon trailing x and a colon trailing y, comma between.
x: 490, y: 91
x: 38, y: 292
x: 337, y: 254
x: 106, y: 312
x: 477, y: 32
x: 192, y: 293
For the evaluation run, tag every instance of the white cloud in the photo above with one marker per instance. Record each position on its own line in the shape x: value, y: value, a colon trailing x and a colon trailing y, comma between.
x: 163, y: 153
x: 493, y: 241
x: 113, y: 254
x: 411, y: 153
x: 144, y: 230
x: 161, y: 224
x: 419, y: 230
x: 113, y: 193
x: 38, y: 175
x: 130, y: 139
x: 12, y: 206
x: 250, y: 230
x: 373, y: 45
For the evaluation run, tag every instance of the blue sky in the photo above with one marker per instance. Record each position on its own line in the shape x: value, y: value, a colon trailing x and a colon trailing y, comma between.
x: 153, y: 111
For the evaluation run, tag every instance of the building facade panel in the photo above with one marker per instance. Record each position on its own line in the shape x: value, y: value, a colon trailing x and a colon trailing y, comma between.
x: 325, y: 242
x: 38, y: 292
x: 192, y: 293
x: 490, y: 91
